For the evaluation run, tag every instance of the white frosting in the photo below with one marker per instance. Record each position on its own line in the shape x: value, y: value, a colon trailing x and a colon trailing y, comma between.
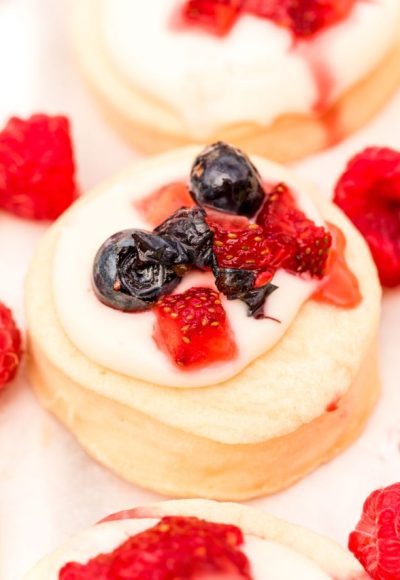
x: 269, y: 560
x: 254, y: 74
x: 123, y: 342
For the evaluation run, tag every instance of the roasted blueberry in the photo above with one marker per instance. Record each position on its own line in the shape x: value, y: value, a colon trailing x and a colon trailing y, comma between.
x: 223, y: 178
x: 133, y: 268
x: 241, y: 285
x: 188, y: 230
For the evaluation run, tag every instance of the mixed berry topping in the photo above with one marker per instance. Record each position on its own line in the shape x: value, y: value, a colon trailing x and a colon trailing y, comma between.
x: 304, y: 18
x: 237, y: 230
x: 193, y: 328
x: 376, y: 539
x: 223, y: 178
x: 176, y: 548
x: 369, y: 193
x: 37, y: 170
x: 10, y: 346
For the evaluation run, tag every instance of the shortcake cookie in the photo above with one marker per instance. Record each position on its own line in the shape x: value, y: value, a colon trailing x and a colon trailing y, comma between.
x: 197, y: 539
x: 206, y: 325
x: 283, y: 79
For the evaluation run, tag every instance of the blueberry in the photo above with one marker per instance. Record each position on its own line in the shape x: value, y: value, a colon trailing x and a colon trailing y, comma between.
x: 223, y: 178
x: 240, y: 285
x: 133, y: 268
x: 189, y: 231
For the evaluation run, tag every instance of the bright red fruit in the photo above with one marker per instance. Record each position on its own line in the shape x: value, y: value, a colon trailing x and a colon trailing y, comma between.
x: 376, y: 539
x: 217, y: 16
x: 193, y: 328
x: 10, y: 346
x: 37, y: 171
x: 176, y: 548
x: 247, y: 246
x: 304, y: 18
x: 369, y: 193
x: 161, y: 204
x: 309, y: 244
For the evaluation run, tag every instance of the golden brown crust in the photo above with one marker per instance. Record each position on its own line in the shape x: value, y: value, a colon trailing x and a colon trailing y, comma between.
x: 180, y: 464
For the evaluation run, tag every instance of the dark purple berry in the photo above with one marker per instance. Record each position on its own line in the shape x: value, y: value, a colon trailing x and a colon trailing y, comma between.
x: 133, y: 268
x: 223, y: 178
x: 240, y: 285
x: 188, y: 230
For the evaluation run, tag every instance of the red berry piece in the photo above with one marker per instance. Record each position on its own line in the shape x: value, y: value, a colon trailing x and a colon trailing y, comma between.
x: 37, y: 172
x: 177, y: 547
x: 10, y: 346
x: 246, y: 246
x: 376, y: 539
x: 369, y: 193
x: 161, y: 204
x: 216, y: 16
x: 307, y: 245
x: 193, y: 328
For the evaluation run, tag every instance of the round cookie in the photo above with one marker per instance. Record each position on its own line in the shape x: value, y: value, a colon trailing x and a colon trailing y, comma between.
x: 153, y: 125
x: 257, y: 432
x: 280, y: 542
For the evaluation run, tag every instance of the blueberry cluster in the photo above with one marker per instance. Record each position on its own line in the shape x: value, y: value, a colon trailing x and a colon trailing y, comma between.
x: 134, y: 268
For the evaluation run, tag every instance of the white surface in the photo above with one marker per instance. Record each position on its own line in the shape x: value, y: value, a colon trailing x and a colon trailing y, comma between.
x: 254, y: 74
x: 268, y: 560
x: 123, y: 342
x: 49, y: 489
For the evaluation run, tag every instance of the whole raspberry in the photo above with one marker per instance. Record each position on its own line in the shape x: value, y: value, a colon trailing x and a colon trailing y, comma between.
x: 376, y: 539
x: 369, y: 193
x: 10, y: 346
x: 37, y: 170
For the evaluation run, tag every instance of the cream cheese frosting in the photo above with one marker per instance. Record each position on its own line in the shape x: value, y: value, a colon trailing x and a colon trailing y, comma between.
x: 123, y: 342
x: 255, y: 74
x: 269, y: 560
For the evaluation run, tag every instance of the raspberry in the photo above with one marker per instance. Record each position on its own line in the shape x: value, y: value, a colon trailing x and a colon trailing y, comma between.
x: 369, y: 193
x: 161, y: 204
x: 309, y: 244
x: 193, y: 328
x: 177, y: 547
x: 36, y: 167
x: 10, y: 346
x: 376, y: 539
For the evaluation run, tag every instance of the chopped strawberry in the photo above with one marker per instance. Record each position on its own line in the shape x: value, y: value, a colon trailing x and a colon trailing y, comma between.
x: 247, y: 246
x: 161, y: 204
x: 10, y: 346
x: 376, y: 539
x: 307, y: 244
x: 176, y: 548
x: 217, y: 16
x: 37, y: 171
x: 193, y: 328
x: 369, y: 193
x: 304, y: 18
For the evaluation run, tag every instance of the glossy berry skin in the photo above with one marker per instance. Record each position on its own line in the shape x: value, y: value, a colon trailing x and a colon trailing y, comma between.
x: 133, y: 268
x: 193, y: 329
x: 224, y: 179
x: 376, y: 539
x: 177, y: 548
x: 10, y: 346
x: 37, y: 169
x: 188, y: 230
